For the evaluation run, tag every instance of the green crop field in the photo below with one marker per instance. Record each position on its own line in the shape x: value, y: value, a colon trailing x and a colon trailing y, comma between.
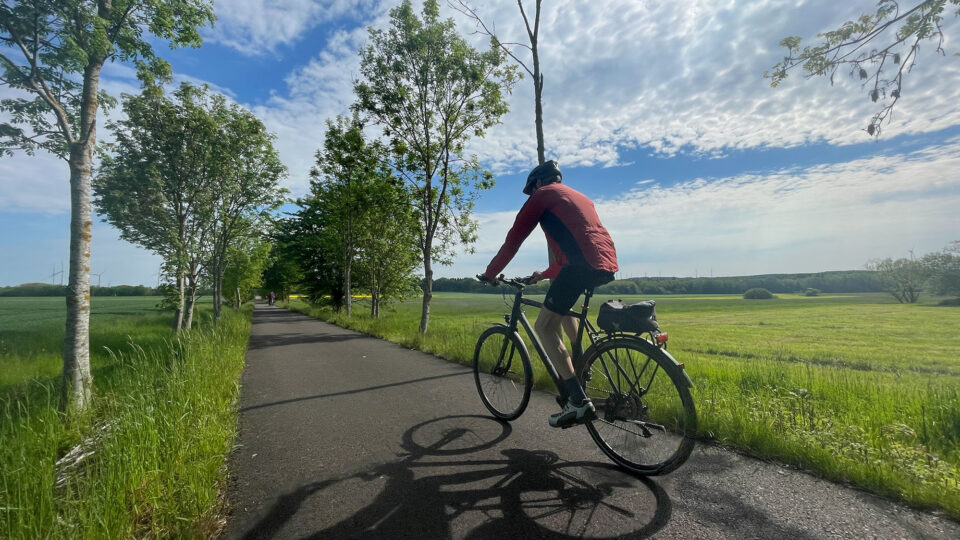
x: 162, y: 422
x: 31, y: 333
x: 855, y: 388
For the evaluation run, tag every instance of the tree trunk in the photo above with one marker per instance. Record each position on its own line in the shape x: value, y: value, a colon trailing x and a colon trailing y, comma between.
x: 76, y: 385
x: 346, y: 285
x: 191, y: 302
x: 75, y: 390
x: 537, y: 87
x: 538, y: 92
x: 427, y: 290
x: 217, y: 294
x: 181, y: 291
x: 239, y: 303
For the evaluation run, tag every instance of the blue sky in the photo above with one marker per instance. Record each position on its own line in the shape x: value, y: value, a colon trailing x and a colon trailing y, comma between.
x: 657, y: 110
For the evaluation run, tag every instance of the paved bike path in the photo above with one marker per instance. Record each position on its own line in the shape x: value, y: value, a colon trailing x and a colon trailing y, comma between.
x: 347, y: 436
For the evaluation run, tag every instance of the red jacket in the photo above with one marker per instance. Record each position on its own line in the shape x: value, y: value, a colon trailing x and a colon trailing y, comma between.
x: 573, y: 230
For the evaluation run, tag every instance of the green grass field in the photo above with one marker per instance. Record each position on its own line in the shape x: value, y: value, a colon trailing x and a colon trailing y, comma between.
x: 162, y: 422
x: 856, y: 388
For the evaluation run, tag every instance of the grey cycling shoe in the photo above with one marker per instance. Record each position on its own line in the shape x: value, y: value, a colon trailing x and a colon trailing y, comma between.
x: 572, y: 415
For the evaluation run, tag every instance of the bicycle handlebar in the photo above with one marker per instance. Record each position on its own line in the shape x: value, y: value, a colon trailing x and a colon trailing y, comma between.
x: 517, y: 282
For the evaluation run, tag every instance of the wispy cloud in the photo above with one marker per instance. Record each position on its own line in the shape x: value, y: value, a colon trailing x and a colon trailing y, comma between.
x: 682, y: 76
x: 832, y: 216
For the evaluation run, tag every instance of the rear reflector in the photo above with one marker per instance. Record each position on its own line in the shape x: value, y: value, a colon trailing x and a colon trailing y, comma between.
x: 662, y: 338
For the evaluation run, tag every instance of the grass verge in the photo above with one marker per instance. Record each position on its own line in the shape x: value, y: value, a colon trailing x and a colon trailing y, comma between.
x: 852, y: 388
x: 162, y: 424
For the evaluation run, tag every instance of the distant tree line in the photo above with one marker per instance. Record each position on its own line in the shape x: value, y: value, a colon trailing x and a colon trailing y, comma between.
x: 852, y: 281
x: 46, y: 289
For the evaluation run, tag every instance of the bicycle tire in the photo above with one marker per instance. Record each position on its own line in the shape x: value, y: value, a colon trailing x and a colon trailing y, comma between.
x: 628, y: 411
x: 505, y: 391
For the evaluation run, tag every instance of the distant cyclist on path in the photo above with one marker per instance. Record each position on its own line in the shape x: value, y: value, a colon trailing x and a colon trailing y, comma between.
x: 582, y: 256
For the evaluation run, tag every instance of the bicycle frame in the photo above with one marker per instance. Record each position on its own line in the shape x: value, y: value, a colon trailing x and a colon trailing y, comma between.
x: 517, y: 316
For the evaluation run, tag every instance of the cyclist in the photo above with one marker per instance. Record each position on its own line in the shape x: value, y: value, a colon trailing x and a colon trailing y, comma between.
x: 582, y: 256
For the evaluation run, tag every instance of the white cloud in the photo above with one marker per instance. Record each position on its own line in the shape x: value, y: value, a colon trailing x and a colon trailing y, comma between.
x: 256, y: 27
x: 670, y: 76
x: 315, y: 92
x: 825, y: 217
x: 686, y: 75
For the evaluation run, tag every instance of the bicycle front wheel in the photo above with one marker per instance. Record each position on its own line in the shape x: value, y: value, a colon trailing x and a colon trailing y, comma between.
x: 646, y: 419
x: 502, y: 371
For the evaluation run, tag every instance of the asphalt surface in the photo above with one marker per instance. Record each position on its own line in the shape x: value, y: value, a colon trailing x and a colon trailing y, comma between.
x: 347, y: 436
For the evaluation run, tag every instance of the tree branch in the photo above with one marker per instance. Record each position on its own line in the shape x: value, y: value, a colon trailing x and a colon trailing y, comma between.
x: 470, y: 12
x: 42, y: 90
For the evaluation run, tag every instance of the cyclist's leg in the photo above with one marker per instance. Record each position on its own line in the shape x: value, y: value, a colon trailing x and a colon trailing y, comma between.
x: 570, y: 327
x: 548, y: 328
x: 563, y: 293
x: 564, y: 290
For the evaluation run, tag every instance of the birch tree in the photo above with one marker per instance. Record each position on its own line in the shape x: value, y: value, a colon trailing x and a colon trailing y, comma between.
x: 431, y: 92
x: 157, y: 188
x: 346, y: 165
x: 245, y: 184
x: 51, y: 54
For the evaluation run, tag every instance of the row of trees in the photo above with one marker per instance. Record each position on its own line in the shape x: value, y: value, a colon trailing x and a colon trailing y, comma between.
x: 375, y: 208
x: 47, y: 289
x: 830, y: 282
x: 936, y: 273
x: 191, y: 178
x: 356, y: 229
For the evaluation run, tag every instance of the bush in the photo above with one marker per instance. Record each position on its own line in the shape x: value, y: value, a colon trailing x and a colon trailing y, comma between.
x: 950, y: 302
x: 757, y: 294
x: 812, y: 292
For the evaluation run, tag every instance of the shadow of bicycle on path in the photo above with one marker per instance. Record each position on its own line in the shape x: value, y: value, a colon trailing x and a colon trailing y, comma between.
x: 446, y: 486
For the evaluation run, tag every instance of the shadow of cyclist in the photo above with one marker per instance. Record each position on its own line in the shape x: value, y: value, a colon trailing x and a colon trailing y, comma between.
x: 436, y: 491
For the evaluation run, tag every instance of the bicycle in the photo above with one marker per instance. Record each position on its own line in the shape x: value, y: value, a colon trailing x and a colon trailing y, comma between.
x: 645, y: 428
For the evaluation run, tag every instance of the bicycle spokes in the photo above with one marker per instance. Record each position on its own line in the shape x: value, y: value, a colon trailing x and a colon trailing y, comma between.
x: 503, y: 376
x: 644, y: 420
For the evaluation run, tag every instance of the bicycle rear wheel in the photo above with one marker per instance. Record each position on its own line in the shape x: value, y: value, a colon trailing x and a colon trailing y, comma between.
x: 646, y: 419
x: 502, y: 371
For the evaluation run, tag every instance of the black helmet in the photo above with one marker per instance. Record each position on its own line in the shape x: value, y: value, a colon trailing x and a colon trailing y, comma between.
x: 547, y: 170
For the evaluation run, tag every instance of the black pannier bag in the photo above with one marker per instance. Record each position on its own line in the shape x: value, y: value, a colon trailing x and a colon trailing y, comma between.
x: 615, y: 316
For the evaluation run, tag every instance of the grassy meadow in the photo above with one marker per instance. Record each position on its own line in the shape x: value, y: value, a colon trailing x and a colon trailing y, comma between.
x: 856, y: 388
x: 162, y: 422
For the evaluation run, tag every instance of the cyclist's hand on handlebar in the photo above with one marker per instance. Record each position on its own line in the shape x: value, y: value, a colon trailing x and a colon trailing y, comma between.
x: 535, y: 277
x: 487, y: 281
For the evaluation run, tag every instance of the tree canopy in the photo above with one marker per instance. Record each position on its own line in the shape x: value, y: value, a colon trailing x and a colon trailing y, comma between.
x: 431, y: 92
x: 187, y: 177
x: 879, y: 49
x: 52, y: 47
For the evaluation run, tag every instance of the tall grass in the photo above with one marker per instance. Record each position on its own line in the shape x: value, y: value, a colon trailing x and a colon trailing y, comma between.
x: 853, y: 388
x: 162, y: 424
